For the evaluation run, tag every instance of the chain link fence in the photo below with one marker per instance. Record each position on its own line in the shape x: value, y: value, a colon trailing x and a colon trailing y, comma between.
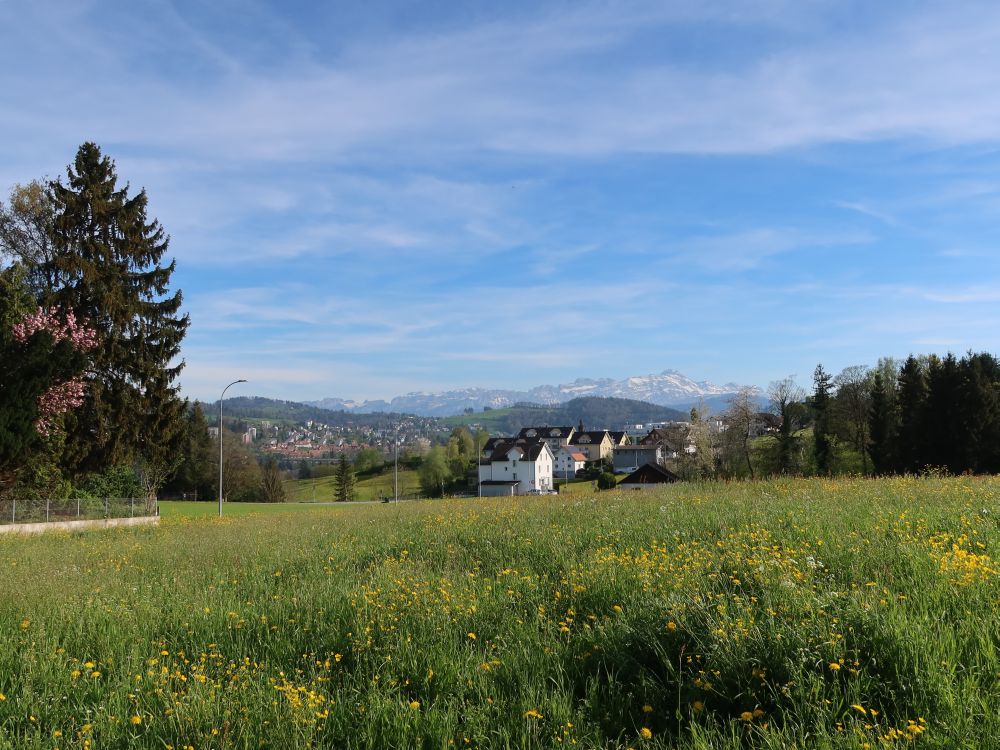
x: 74, y: 509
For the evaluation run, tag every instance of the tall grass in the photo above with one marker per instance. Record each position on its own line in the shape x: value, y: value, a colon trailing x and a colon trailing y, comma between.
x: 800, y: 613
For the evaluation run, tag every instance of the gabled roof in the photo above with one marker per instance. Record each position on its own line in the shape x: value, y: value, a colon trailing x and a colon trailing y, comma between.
x: 650, y: 474
x: 616, y: 436
x: 588, y: 437
x: 529, y: 449
x: 538, y: 433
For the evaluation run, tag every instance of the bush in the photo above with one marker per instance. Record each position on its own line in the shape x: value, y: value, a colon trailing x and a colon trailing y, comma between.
x: 606, y: 481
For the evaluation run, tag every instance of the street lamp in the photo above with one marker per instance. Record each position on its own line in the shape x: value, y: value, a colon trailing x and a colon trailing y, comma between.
x: 479, y: 475
x: 220, y: 439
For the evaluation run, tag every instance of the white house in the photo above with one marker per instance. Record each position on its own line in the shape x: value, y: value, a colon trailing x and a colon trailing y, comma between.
x: 567, y: 462
x: 516, y: 468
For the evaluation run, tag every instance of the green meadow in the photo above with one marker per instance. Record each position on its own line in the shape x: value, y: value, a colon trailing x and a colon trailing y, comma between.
x: 375, y: 487
x: 794, y: 613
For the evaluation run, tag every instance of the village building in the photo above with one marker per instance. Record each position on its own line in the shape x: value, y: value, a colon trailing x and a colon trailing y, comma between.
x: 597, y: 444
x: 555, y: 437
x: 516, y: 467
x: 628, y: 458
x: 648, y: 477
x: 568, y: 462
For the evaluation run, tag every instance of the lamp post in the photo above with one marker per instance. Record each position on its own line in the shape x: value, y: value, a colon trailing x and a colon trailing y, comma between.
x: 220, y: 439
x: 479, y: 476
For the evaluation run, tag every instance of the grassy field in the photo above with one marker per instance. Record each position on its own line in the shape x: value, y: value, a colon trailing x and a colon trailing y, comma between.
x: 809, y: 613
x: 368, y: 488
x: 181, y: 509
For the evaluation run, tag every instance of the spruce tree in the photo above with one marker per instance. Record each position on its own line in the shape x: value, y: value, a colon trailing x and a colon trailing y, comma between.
x: 822, y: 444
x: 911, y: 395
x: 942, y: 429
x: 980, y: 412
x: 344, y: 480
x: 108, y: 270
x: 881, y: 430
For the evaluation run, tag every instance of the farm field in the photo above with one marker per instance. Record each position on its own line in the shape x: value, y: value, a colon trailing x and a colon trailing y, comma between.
x: 794, y: 613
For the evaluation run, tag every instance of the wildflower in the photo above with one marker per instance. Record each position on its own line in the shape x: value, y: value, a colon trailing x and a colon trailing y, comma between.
x: 834, y: 666
x: 3, y: 697
x: 57, y: 733
x: 415, y: 705
x: 697, y: 706
x: 25, y: 623
x: 472, y: 636
x: 671, y: 626
x: 647, y: 709
x: 617, y: 608
x: 95, y: 675
x: 860, y: 708
x: 746, y: 716
x: 533, y: 714
x: 136, y: 720
x: 645, y: 733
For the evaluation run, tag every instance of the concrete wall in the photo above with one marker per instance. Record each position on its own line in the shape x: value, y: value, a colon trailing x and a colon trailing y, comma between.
x: 100, y: 523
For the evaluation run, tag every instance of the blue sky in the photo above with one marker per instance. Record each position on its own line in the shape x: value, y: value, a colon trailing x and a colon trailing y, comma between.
x: 367, y: 199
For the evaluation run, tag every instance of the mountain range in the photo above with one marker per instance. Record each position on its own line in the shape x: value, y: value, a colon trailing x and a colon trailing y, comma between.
x: 668, y: 388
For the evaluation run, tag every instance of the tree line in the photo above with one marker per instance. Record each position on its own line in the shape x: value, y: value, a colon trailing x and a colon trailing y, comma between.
x: 926, y: 413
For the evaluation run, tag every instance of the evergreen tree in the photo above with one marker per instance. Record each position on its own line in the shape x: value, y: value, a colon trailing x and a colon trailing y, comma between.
x: 911, y: 395
x: 942, y: 427
x: 343, y: 480
x: 107, y: 268
x: 980, y: 412
x: 197, y: 472
x: 822, y: 443
x: 881, y: 430
x: 304, y: 471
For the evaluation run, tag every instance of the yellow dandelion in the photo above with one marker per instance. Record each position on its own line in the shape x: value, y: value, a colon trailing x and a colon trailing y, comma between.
x: 136, y: 720
x: 415, y: 705
x: 671, y: 626
x: 645, y: 733
x: 647, y: 709
x: 533, y: 714
x: 746, y: 716
x: 697, y: 706
x: 3, y: 697
x: 472, y: 636
x: 95, y: 675
x: 860, y: 708
x: 834, y: 666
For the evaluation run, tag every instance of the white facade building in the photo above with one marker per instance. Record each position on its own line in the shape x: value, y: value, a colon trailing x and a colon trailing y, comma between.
x: 516, y: 468
x: 567, y: 462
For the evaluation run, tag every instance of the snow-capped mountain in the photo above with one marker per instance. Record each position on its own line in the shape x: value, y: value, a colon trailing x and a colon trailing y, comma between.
x: 668, y: 388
